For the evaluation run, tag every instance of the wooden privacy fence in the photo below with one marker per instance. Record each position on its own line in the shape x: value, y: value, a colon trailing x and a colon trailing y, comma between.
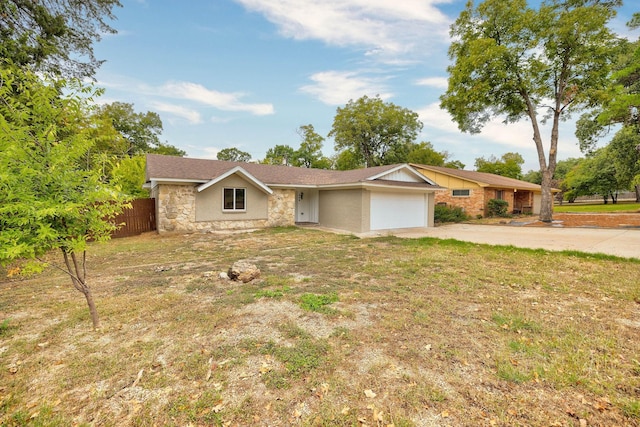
x: 141, y: 217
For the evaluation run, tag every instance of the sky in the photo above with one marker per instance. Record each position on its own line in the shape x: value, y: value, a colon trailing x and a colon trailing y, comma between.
x: 248, y: 73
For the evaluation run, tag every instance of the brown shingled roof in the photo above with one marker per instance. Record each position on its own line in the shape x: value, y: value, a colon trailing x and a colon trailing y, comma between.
x: 161, y: 167
x: 482, y: 178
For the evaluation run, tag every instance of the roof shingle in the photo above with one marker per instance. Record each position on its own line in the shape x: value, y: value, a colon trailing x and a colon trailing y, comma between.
x: 161, y: 167
x: 482, y: 178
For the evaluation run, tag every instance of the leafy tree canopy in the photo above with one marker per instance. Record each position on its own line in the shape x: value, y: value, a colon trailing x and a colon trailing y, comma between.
x: 376, y: 132
x: 512, y: 61
x: 595, y: 175
x: 48, y: 199
x: 309, y: 155
x: 138, y: 133
x: 233, y: 154
x: 54, y: 36
x: 280, y: 155
x: 509, y: 165
x: 128, y: 175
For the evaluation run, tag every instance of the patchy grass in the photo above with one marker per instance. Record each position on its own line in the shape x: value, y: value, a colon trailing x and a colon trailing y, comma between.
x: 339, y: 331
x: 597, y: 207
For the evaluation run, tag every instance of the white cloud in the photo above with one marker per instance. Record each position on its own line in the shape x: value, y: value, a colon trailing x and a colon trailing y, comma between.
x: 191, y: 116
x: 496, y: 138
x: 338, y: 87
x: 383, y: 27
x: 436, y: 82
x: 213, y: 98
x: 432, y: 116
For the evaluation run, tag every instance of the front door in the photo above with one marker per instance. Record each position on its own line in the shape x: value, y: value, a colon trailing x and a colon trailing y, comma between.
x: 306, y: 205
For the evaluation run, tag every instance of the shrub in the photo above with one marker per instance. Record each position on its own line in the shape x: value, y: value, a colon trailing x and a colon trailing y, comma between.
x: 498, y: 207
x: 444, y: 213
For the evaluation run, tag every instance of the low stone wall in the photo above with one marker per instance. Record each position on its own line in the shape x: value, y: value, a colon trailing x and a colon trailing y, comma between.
x: 175, y: 205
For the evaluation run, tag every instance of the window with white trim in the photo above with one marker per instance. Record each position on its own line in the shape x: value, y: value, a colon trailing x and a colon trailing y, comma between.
x: 234, y: 200
x: 461, y: 193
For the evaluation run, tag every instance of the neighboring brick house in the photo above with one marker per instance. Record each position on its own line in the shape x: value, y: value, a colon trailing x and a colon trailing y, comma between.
x: 472, y: 190
x: 208, y: 195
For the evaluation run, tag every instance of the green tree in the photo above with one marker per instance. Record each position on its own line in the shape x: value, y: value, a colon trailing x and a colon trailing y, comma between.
x: 424, y: 154
x: 280, y: 155
x: 560, y: 178
x: 509, y: 165
x: 374, y: 131
x: 233, y: 154
x: 128, y: 175
x: 54, y: 36
x: 48, y: 200
x: 140, y: 132
x: 309, y: 155
x: 624, y: 151
x: 454, y: 164
x: 533, y: 176
x: 346, y: 160
x: 513, y: 61
x: 594, y: 175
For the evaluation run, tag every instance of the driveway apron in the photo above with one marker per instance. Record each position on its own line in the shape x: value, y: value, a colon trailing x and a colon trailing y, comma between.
x: 612, y: 241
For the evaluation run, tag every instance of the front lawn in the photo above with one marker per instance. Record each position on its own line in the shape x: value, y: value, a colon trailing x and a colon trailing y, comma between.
x: 338, y: 331
x: 597, y: 207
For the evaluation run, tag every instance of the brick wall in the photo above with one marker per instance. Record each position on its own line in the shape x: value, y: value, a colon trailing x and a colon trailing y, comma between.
x: 473, y: 205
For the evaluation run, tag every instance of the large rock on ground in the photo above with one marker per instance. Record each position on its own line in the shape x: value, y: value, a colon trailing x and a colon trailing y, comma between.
x: 243, y: 271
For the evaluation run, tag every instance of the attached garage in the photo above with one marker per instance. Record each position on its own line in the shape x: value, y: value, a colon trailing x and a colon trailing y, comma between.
x: 398, y: 210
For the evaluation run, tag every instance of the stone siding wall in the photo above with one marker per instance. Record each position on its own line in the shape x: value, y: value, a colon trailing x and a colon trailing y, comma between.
x: 282, y: 208
x: 176, y: 211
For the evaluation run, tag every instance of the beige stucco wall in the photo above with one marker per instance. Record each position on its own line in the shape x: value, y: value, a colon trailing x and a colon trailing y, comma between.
x: 176, y: 210
x: 345, y: 209
x: 209, y: 202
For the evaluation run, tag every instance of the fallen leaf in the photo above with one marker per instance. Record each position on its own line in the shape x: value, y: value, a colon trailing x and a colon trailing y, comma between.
x: 444, y: 414
x: 377, y: 415
x: 345, y: 410
x: 265, y: 368
x: 370, y: 394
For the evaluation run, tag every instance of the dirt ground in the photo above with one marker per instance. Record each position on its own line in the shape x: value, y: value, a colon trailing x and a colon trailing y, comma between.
x: 613, y: 220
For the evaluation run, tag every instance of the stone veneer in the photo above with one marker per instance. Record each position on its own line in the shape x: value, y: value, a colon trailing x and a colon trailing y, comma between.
x: 176, y: 211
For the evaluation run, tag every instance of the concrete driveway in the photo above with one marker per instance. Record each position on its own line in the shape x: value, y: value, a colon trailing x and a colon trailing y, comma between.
x: 613, y: 241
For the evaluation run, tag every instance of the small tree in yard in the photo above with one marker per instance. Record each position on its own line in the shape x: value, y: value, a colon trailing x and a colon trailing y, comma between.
x: 47, y: 200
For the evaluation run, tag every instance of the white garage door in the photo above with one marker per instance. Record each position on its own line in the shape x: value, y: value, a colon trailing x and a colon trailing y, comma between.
x: 390, y: 210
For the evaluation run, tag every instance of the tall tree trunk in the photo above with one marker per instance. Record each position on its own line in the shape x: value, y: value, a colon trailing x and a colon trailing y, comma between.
x: 78, y: 273
x: 546, y: 203
x: 637, y: 188
x: 546, y: 169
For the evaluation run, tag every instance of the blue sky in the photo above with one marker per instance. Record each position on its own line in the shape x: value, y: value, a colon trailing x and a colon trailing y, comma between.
x: 248, y: 73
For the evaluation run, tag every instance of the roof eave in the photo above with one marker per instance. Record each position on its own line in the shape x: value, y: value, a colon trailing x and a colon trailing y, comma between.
x: 238, y: 170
